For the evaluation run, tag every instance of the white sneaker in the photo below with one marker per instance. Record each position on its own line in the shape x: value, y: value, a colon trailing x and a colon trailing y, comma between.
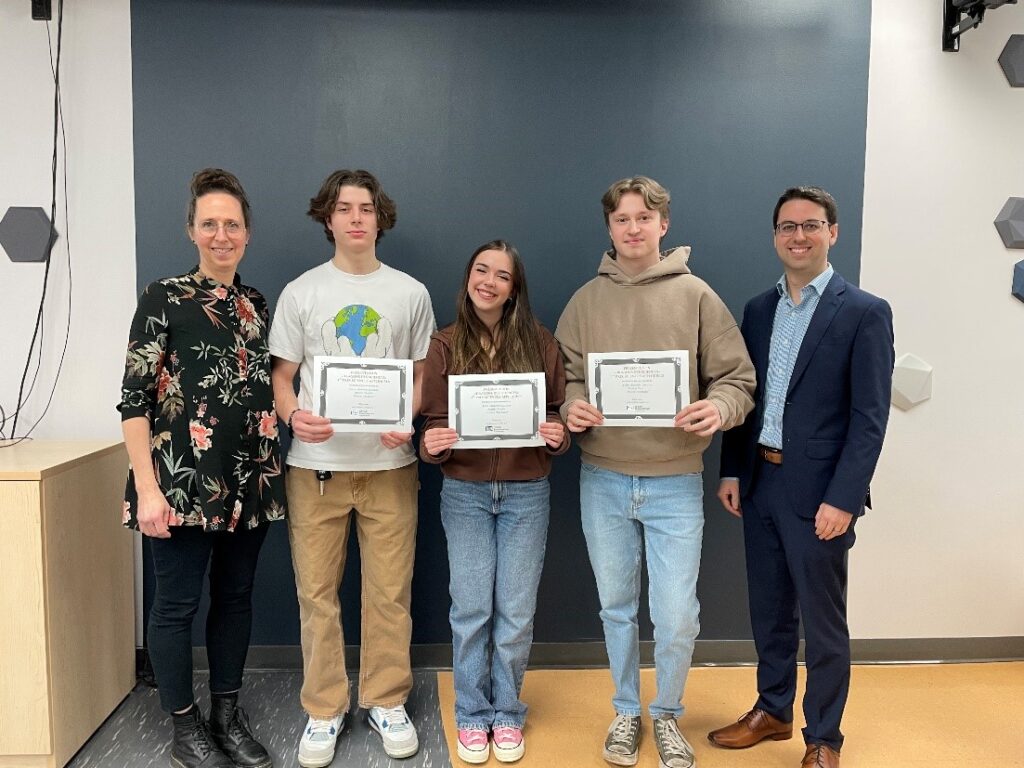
x: 316, y: 748
x: 396, y: 730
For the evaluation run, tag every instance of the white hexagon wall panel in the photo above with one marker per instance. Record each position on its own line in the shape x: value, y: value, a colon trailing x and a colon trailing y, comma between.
x: 911, y: 382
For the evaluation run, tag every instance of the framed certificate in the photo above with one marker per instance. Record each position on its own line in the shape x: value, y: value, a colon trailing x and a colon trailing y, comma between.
x: 498, y: 410
x: 361, y: 394
x: 639, y: 389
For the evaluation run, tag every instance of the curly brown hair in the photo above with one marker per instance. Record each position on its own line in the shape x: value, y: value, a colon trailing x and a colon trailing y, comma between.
x: 322, y: 206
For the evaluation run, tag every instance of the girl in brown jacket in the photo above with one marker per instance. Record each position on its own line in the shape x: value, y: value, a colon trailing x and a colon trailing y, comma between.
x: 494, y: 501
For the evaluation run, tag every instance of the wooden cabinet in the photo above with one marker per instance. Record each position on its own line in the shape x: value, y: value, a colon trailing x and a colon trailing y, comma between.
x: 67, y: 608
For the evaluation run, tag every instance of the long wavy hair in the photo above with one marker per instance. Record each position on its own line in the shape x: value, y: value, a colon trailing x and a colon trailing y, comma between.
x: 515, y: 340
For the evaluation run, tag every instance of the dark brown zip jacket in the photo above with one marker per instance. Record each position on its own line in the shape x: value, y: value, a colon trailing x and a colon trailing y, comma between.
x: 493, y: 463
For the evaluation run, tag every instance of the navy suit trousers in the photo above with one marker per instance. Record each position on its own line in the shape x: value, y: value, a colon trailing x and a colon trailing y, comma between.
x: 794, y: 577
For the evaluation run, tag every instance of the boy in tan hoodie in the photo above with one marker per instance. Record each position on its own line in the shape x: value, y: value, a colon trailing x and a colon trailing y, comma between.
x: 640, y: 488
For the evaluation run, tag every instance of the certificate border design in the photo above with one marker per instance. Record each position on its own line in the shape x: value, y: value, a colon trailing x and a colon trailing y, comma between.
x: 403, y: 411
x: 504, y: 381
x: 677, y: 362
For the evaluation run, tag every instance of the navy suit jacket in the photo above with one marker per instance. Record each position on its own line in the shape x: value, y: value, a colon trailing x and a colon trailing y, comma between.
x: 837, y: 404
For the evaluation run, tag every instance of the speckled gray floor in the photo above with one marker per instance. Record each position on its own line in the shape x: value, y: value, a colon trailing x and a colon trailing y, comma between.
x: 137, y: 734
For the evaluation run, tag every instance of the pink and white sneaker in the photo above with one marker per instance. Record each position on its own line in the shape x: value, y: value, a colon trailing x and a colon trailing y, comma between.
x: 473, y: 745
x: 509, y: 745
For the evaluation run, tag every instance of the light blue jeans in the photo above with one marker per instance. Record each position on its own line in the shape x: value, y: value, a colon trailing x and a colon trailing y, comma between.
x: 497, y: 532
x: 622, y: 516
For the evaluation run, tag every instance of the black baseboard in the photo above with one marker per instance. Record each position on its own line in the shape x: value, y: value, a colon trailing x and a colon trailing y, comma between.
x: 707, y: 653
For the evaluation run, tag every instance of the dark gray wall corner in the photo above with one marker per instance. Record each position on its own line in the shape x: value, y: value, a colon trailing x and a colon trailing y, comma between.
x: 488, y: 120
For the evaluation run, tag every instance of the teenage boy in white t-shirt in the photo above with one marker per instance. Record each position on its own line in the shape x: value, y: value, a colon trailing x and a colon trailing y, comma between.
x: 352, y: 306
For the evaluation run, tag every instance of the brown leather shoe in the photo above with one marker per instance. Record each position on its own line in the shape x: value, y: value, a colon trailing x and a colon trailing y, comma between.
x: 753, y: 727
x: 820, y: 756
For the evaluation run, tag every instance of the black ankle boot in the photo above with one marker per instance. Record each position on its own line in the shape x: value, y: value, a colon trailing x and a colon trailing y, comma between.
x: 193, y: 745
x: 229, y: 727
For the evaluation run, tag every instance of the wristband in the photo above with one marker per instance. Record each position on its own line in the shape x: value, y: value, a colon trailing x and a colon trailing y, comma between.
x: 289, y: 422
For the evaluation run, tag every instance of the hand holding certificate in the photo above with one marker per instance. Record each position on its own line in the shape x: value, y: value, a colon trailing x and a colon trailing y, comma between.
x: 639, y: 389
x: 499, y: 410
x: 362, y: 394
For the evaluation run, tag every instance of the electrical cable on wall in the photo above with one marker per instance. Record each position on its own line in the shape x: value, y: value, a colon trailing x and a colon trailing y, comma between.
x: 59, y: 144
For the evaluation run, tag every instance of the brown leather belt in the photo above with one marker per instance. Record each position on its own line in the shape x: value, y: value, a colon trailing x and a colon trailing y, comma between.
x: 771, y: 455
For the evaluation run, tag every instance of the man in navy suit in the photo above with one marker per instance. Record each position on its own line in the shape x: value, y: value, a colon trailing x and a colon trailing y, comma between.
x: 797, y: 472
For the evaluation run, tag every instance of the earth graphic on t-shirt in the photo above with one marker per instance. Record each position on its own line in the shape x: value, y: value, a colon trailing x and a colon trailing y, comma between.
x: 355, y: 322
x: 357, y: 331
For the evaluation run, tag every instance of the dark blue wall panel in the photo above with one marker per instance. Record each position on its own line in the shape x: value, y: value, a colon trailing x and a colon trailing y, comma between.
x: 484, y: 120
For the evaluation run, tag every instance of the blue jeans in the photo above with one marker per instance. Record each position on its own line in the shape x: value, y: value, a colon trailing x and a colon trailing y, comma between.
x: 497, y: 532
x: 622, y: 516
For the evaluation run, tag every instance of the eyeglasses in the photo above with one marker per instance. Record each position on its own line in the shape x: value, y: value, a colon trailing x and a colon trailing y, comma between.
x: 810, y: 227
x: 210, y: 228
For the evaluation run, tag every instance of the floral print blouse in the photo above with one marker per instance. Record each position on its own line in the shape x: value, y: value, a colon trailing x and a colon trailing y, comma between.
x: 198, y: 367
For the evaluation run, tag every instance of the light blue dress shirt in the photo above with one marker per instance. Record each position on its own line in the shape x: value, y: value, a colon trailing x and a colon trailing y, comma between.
x: 788, y: 331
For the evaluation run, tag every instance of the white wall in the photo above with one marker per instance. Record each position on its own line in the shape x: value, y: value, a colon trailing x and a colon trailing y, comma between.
x: 940, y: 556
x: 97, y: 95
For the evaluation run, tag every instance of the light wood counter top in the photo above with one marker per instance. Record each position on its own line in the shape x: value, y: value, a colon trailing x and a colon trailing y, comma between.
x: 37, y: 459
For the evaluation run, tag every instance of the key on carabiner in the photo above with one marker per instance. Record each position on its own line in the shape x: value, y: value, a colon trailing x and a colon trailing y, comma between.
x: 322, y: 476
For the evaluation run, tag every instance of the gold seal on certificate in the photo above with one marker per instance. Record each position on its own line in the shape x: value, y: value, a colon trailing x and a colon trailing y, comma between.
x: 497, y: 410
x: 363, y: 394
x: 639, y: 389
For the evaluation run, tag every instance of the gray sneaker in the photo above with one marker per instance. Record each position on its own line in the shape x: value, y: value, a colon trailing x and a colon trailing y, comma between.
x: 622, y: 745
x: 674, y: 751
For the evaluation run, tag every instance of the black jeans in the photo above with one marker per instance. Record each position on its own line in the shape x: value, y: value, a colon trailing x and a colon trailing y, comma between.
x: 179, y: 566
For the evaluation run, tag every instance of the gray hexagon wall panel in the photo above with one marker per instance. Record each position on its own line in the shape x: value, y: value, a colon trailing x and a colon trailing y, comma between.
x: 1010, y: 223
x: 911, y: 382
x: 1012, y: 60
x: 25, y: 233
x: 1018, y: 280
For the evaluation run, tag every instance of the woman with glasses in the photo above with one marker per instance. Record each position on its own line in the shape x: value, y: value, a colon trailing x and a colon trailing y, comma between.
x: 494, y: 501
x: 205, y: 480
